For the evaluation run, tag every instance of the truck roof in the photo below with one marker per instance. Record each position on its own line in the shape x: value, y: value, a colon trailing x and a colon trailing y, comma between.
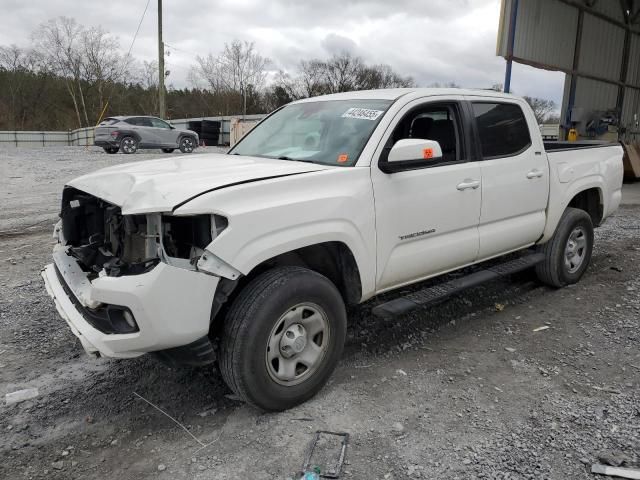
x: 395, y: 93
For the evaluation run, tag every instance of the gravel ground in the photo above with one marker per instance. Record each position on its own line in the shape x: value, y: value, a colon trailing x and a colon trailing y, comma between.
x: 31, y: 179
x: 463, y: 390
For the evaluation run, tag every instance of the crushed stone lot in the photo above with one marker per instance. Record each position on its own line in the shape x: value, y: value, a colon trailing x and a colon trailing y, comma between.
x: 466, y: 389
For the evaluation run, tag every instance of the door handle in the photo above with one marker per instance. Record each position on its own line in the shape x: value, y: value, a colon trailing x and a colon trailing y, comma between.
x: 534, y: 174
x: 467, y: 184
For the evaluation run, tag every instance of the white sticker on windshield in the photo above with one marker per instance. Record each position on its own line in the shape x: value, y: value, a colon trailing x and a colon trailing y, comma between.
x: 362, y: 113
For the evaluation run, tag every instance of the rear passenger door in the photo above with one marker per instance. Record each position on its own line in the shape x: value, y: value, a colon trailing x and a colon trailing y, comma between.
x: 142, y: 126
x: 515, y: 175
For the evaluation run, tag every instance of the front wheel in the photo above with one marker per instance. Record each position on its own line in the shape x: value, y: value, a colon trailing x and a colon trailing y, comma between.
x: 187, y: 145
x: 129, y: 145
x: 283, y: 337
x: 568, y: 252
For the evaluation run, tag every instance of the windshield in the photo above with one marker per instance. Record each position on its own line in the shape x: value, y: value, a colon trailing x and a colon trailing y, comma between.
x: 330, y: 132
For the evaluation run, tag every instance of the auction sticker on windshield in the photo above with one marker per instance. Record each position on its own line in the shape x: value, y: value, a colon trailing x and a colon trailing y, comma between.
x: 362, y: 113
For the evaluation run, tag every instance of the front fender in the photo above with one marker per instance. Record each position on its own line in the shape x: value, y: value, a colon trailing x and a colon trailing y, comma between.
x: 275, y: 216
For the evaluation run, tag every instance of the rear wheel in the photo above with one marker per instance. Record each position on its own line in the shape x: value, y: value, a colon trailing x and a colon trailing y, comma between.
x: 568, y: 253
x: 129, y: 145
x: 187, y: 144
x: 111, y: 150
x: 168, y: 150
x: 283, y: 337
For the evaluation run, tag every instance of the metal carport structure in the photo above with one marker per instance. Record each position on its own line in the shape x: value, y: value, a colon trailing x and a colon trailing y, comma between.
x: 596, y: 43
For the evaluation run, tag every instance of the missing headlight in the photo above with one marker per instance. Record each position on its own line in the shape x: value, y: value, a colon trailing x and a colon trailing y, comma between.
x: 186, y: 237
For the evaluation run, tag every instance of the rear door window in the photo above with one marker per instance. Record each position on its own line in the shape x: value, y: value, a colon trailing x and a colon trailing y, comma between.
x: 108, y: 121
x: 502, y: 128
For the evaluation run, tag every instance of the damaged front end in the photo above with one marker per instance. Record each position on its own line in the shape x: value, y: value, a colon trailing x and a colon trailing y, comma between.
x: 106, y: 242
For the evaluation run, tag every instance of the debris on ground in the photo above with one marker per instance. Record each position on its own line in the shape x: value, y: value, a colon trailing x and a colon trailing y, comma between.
x: 539, y: 329
x: 631, y: 473
x: 614, y: 458
x: 21, y: 395
x: 326, y: 455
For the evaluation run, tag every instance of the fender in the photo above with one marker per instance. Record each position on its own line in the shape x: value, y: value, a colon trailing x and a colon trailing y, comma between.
x: 128, y: 133
x: 276, y: 216
x: 275, y: 243
x: 559, y: 201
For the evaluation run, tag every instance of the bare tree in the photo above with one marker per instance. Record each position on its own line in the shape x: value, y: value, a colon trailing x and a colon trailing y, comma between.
x: 101, y: 62
x: 23, y: 84
x: 238, y: 69
x: 383, y: 76
x: 342, y: 73
x: 58, y: 42
x: 541, y: 107
x: 84, y: 58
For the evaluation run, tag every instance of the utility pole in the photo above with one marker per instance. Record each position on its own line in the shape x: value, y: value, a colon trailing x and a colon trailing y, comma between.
x: 162, y: 109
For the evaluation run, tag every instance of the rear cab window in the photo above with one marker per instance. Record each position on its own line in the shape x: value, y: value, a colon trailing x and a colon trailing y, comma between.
x: 502, y: 129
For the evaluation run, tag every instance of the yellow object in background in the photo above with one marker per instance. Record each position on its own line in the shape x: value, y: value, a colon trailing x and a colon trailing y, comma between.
x: 573, y: 135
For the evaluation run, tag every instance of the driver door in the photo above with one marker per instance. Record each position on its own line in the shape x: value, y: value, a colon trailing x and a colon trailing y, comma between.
x: 163, y: 133
x: 427, y: 217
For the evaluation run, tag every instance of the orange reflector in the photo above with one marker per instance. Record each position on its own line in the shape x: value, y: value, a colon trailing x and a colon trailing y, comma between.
x: 427, y: 153
x: 343, y: 157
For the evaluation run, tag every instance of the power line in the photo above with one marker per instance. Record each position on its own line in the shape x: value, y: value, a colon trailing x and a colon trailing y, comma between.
x: 138, y: 29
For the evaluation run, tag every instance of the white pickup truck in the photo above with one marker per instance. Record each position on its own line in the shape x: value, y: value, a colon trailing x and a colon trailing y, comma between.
x: 249, y: 258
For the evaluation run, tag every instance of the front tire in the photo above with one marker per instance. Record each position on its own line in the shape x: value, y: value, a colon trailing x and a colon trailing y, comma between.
x: 568, y: 252
x: 283, y: 337
x: 187, y: 144
x: 129, y: 145
x: 111, y: 150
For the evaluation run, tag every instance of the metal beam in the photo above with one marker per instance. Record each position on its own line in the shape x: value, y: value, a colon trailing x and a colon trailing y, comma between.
x: 510, y: 44
x: 624, y: 67
x: 575, y: 72
x: 574, y: 67
x: 584, y: 8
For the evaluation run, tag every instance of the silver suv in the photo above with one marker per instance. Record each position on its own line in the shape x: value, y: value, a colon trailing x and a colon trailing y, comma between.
x: 131, y: 133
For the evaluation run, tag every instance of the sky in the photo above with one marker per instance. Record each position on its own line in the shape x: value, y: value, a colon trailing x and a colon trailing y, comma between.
x: 432, y: 41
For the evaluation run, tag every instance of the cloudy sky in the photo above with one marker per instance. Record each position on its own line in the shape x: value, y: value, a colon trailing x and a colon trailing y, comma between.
x: 433, y: 41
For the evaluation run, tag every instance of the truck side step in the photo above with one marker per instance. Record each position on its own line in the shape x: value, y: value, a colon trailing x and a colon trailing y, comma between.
x: 429, y: 295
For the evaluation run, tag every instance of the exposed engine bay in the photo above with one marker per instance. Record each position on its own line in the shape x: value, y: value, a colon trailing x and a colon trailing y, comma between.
x: 105, y: 242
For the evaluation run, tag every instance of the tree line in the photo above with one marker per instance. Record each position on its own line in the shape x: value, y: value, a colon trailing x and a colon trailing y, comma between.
x: 71, y: 76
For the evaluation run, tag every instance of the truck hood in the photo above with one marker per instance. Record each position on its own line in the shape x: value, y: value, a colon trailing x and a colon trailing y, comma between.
x: 162, y: 185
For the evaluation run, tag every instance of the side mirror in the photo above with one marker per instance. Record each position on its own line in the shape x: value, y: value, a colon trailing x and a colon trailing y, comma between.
x: 411, y: 153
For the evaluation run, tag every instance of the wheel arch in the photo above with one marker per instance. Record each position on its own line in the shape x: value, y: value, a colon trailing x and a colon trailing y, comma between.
x: 333, y: 259
x: 591, y: 201
x: 587, y: 194
x: 130, y: 133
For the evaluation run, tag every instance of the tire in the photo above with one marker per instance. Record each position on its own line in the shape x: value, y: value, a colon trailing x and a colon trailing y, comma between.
x: 568, y: 252
x: 129, y: 145
x: 111, y: 150
x: 187, y: 144
x: 269, y: 311
x: 168, y: 150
